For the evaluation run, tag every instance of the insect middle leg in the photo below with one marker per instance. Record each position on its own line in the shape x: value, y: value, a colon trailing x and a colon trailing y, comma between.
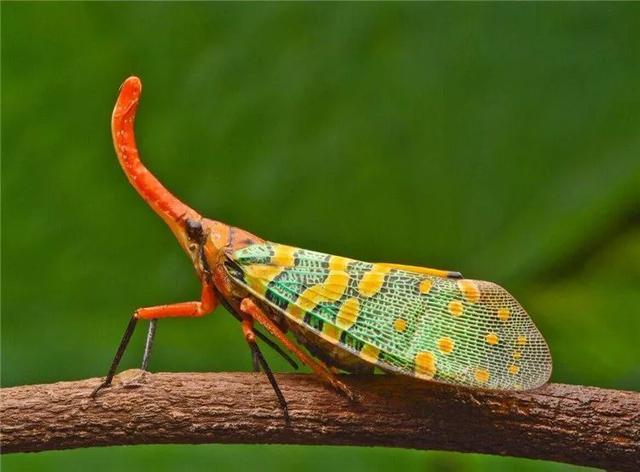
x: 248, y: 307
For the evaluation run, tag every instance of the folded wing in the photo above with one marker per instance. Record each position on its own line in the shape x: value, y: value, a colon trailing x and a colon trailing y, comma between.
x: 463, y: 332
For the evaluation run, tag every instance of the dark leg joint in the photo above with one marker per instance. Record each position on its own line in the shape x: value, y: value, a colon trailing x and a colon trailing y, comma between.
x: 264, y: 338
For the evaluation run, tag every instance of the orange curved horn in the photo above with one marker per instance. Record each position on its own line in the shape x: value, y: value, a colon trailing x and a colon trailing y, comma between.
x: 163, y: 202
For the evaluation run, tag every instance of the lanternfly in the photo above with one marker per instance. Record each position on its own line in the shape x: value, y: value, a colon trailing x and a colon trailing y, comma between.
x: 350, y: 315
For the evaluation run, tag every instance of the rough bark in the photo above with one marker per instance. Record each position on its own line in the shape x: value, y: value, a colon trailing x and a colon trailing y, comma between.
x: 578, y: 425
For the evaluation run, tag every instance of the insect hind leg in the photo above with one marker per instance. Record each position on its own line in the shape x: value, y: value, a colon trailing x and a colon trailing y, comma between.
x: 250, y: 309
x: 260, y: 361
x: 255, y: 361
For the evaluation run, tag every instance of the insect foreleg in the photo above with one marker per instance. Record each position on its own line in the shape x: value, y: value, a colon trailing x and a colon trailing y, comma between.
x: 116, y: 360
x: 148, y: 344
x: 144, y: 367
x: 206, y: 304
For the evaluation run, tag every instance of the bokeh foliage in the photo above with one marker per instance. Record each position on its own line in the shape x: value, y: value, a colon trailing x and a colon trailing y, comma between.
x: 499, y: 140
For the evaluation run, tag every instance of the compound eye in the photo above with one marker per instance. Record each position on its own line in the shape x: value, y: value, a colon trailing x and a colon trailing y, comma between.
x: 194, y: 230
x: 193, y: 247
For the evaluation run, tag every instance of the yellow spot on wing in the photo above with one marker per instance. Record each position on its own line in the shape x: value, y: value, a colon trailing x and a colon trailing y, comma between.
x: 482, y: 375
x: 331, y: 290
x: 308, y: 302
x: 503, y: 314
x: 338, y: 263
x: 328, y: 291
x: 425, y: 286
x: 491, y: 338
x: 334, y: 286
x: 522, y: 340
x: 348, y: 313
x: 514, y: 369
x: 425, y: 365
x: 331, y: 333
x: 372, y: 281
x: 295, y: 312
x: 259, y: 276
x: 263, y: 272
x: 446, y: 345
x: 370, y: 353
x: 283, y: 256
x: 400, y: 325
x: 469, y: 290
x: 517, y: 354
x: 455, y: 307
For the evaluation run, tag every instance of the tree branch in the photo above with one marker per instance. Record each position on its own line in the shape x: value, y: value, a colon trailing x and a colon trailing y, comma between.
x: 578, y: 425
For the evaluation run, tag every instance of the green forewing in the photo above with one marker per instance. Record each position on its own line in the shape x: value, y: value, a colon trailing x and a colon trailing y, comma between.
x: 463, y: 332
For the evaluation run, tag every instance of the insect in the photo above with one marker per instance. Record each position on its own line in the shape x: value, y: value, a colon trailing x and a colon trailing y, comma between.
x: 350, y: 315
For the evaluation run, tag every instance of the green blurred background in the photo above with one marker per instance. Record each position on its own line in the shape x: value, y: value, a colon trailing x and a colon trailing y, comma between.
x: 499, y: 140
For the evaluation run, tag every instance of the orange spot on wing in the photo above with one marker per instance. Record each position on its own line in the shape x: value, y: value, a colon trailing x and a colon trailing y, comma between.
x: 482, y: 375
x: 491, y: 338
x: 446, y: 345
x: 455, y: 307
x: 504, y: 313
x: 469, y: 290
x: 425, y: 365
x: 425, y: 286
x: 514, y: 369
x: 400, y: 325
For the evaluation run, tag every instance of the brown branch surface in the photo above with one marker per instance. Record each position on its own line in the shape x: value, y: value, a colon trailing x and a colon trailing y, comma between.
x: 579, y: 425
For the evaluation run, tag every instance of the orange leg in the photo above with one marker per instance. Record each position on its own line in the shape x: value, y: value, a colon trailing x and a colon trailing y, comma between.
x: 187, y: 309
x: 248, y: 307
